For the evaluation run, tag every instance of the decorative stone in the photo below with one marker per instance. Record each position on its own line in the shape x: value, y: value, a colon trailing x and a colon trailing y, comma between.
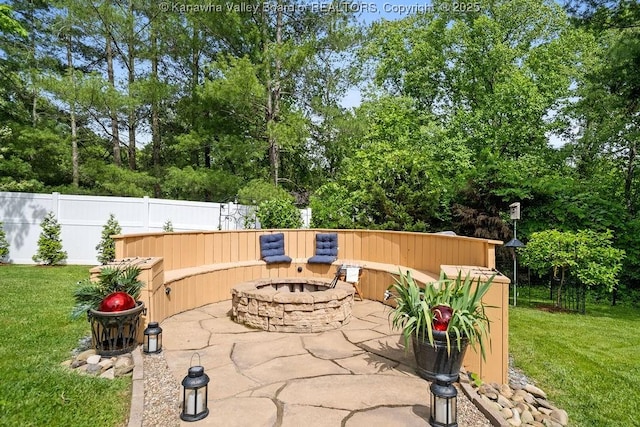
x: 526, y: 417
x: 123, y: 365
x: 93, y: 359
x: 77, y: 363
x: 108, y: 374
x: 93, y: 369
x: 535, y: 391
x: 492, y: 395
x: 560, y: 416
x: 506, y: 413
x: 515, y: 419
x: 545, y: 404
x: 504, y: 402
x: 521, y: 404
x: 106, y: 364
x: 506, y: 391
x: 85, y: 354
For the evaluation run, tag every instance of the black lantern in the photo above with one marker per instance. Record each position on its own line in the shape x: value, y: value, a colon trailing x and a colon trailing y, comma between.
x: 152, y: 338
x: 444, y: 403
x: 194, y: 395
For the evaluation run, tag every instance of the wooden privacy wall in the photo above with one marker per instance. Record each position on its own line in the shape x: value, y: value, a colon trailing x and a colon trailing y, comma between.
x: 190, y: 269
x: 421, y: 251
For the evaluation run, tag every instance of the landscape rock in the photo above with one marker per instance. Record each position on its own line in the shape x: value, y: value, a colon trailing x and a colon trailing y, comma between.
x: 124, y: 365
x: 526, y: 417
x: 94, y: 359
x: 85, y: 355
x: 108, y: 374
x: 77, y: 363
x: 535, y: 391
x: 521, y: 403
x: 90, y: 363
x: 560, y: 416
x: 94, y: 369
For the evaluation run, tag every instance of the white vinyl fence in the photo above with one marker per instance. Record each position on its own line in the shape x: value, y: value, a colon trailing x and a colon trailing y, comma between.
x: 82, y: 218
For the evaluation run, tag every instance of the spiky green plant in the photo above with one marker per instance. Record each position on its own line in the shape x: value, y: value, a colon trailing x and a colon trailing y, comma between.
x: 90, y: 293
x: 413, y: 311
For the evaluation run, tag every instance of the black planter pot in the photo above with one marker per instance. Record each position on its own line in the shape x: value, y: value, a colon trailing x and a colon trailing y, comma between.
x: 434, y: 360
x: 115, y: 333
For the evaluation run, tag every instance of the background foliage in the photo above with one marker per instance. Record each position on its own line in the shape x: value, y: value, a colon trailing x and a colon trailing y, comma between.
x: 460, y: 114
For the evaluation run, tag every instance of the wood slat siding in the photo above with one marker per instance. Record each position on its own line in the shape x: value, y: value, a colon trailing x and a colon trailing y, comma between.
x: 421, y: 251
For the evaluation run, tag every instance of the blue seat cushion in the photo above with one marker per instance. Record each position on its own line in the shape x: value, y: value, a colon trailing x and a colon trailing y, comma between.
x: 326, y: 248
x: 277, y: 259
x: 321, y: 259
x: 272, y: 248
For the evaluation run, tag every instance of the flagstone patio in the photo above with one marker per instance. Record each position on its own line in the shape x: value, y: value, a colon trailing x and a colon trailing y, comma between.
x: 359, y: 375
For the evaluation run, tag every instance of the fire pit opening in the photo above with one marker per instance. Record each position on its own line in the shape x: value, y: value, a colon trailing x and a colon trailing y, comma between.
x: 292, y: 305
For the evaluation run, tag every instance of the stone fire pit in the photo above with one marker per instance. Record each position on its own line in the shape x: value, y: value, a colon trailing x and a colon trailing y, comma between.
x: 292, y: 304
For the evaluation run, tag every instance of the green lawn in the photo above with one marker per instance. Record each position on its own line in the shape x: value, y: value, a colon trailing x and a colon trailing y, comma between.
x: 36, y: 335
x: 589, y: 364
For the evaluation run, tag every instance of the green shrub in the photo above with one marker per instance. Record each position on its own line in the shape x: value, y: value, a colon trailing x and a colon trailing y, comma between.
x: 279, y: 213
x: 107, y: 246
x: 49, y: 243
x: 168, y: 227
x: 258, y: 191
x: 4, y: 245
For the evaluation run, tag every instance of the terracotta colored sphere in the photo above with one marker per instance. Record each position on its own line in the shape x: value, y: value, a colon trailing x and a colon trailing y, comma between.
x: 117, y: 301
x: 441, y: 317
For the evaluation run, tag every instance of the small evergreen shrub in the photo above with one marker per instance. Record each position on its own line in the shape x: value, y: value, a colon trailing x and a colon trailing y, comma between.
x: 49, y: 243
x: 107, y: 246
x: 4, y: 245
x: 279, y: 213
x: 168, y: 227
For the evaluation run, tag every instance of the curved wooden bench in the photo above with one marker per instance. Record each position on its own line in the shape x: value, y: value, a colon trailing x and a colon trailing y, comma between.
x: 213, y: 282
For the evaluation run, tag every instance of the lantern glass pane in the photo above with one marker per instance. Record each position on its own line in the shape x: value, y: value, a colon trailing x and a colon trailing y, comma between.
x: 152, y: 345
x: 441, y: 409
x: 201, y: 399
x: 190, y: 401
x: 453, y: 404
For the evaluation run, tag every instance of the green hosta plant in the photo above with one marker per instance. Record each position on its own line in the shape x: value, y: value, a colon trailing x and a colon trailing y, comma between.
x: 90, y: 293
x: 451, y: 305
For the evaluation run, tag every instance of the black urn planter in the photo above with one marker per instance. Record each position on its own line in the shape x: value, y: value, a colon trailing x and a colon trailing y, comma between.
x: 434, y: 359
x: 115, y: 333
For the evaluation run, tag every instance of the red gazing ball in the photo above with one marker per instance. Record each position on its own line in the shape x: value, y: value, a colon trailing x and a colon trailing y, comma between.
x: 441, y: 317
x: 117, y: 301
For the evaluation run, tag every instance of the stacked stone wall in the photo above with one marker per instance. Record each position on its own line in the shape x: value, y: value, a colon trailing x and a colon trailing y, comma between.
x: 292, y: 305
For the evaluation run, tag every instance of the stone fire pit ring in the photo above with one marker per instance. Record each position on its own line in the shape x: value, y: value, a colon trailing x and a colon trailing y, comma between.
x: 292, y: 304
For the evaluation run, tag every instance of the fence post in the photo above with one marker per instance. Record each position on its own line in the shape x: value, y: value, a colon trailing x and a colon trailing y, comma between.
x: 145, y: 213
x: 55, y: 204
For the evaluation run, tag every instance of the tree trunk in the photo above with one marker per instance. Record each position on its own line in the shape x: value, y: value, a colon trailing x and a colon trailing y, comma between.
x: 72, y: 117
x: 155, y: 118
x: 273, y: 85
x: 132, y: 77
x: 34, y: 64
x: 115, y: 134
